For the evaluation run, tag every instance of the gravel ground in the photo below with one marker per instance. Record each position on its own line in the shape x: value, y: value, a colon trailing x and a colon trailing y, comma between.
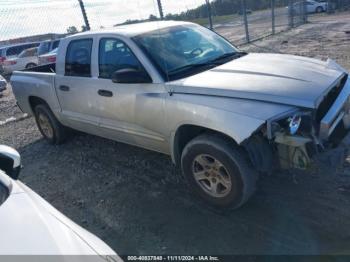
x: 136, y: 200
x: 324, y: 37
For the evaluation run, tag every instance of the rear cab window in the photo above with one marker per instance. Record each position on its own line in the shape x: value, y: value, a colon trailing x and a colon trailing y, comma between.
x: 78, y: 58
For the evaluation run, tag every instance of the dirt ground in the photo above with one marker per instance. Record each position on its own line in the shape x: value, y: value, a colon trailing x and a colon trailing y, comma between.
x: 137, y: 202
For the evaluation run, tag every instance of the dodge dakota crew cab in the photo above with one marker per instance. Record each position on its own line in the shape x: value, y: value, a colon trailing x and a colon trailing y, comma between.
x: 178, y: 88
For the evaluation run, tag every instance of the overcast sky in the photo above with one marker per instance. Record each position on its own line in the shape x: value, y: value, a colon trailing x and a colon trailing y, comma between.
x: 20, y: 18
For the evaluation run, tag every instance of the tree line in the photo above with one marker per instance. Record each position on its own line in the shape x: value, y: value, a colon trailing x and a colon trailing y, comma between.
x: 224, y: 7
x: 218, y: 8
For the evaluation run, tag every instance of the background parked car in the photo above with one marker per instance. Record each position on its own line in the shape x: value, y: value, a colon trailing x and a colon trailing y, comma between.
x: 8, y: 52
x: 310, y: 7
x: 47, y: 46
x: 31, y: 226
x: 48, y: 58
x: 26, y: 59
x: 3, y: 84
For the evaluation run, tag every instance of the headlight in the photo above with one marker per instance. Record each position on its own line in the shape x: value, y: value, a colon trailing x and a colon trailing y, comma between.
x: 294, y: 124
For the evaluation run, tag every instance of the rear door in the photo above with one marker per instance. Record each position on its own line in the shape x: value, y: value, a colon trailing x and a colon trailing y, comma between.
x: 74, y: 86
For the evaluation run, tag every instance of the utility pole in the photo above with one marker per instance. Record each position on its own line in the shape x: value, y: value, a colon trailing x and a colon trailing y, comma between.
x: 290, y: 13
x: 245, y: 18
x: 209, y: 15
x: 304, y: 11
x: 82, y: 7
x: 160, y: 8
x: 273, y: 16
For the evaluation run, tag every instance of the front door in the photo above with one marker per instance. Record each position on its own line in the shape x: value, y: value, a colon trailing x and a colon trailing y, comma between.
x: 128, y: 112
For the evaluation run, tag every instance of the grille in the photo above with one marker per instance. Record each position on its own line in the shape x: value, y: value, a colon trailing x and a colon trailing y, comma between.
x: 328, y: 101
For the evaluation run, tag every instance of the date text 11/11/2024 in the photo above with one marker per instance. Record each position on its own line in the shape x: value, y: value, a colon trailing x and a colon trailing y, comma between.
x: 173, y: 258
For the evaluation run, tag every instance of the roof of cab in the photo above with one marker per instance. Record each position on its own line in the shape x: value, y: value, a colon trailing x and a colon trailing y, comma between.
x: 133, y: 29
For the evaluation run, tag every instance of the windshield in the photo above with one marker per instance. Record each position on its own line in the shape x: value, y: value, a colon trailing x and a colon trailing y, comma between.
x: 183, y: 50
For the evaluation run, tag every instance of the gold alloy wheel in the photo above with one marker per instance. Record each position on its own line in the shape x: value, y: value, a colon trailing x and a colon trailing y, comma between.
x: 45, y: 125
x: 211, y: 175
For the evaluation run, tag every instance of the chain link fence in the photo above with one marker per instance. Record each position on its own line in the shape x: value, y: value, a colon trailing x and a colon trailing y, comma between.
x: 240, y: 21
x: 30, y: 21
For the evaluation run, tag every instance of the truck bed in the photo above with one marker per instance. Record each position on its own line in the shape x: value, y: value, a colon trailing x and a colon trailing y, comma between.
x: 35, y: 83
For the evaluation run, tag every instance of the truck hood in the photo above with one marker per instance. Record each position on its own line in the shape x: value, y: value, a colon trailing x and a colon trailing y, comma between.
x: 283, y: 79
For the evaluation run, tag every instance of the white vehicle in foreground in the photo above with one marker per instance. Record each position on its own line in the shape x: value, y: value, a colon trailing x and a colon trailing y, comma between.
x: 26, y: 59
x: 31, y: 226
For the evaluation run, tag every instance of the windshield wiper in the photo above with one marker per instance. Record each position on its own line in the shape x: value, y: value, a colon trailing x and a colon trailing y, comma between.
x: 190, y: 67
x: 207, y: 65
x: 232, y: 55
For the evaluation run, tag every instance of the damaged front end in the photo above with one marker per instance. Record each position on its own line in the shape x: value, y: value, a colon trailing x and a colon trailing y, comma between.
x: 303, y: 138
x: 310, y: 136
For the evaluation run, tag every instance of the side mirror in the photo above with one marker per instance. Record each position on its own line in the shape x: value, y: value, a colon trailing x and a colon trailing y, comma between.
x: 10, y: 161
x: 131, y: 76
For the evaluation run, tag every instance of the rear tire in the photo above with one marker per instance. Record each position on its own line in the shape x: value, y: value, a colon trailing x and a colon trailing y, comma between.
x: 218, y: 171
x: 50, y: 128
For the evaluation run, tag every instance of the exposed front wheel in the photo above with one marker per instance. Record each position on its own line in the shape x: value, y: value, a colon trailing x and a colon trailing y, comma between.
x: 51, y: 129
x: 218, y: 171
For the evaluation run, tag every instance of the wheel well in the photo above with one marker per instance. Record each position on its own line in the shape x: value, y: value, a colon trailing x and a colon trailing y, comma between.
x: 186, y: 133
x: 34, y: 101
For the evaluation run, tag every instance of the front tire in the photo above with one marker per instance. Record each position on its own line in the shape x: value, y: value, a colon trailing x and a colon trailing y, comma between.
x: 218, y: 171
x: 50, y: 128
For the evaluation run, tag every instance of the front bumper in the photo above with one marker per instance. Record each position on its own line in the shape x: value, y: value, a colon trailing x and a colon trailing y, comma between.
x: 333, y: 158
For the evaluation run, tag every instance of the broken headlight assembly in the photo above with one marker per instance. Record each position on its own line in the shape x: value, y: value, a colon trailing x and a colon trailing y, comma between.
x: 292, y: 136
x: 300, y: 123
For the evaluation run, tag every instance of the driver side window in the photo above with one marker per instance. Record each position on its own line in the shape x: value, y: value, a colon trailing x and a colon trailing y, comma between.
x: 115, y: 55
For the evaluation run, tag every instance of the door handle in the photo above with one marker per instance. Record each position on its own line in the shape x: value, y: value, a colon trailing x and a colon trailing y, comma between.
x: 64, y: 88
x: 106, y: 93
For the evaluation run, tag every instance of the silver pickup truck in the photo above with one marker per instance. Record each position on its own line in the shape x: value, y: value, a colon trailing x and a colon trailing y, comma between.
x: 223, y: 115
